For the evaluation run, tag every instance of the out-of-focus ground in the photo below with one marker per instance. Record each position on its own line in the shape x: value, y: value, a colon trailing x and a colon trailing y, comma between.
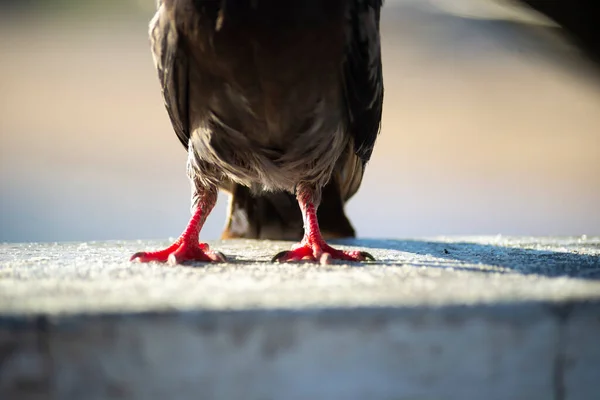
x: 491, y: 125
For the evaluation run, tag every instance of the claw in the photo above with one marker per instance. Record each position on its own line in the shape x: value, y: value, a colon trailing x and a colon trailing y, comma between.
x: 180, y: 253
x: 279, y: 255
x: 322, y: 253
x: 220, y: 257
x: 367, y: 256
x: 136, y: 256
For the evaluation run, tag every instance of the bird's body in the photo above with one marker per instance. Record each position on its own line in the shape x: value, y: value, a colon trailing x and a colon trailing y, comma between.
x: 254, y: 120
x: 270, y: 95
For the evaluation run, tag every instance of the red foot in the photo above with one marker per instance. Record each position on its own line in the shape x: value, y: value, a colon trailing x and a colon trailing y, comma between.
x: 180, y: 252
x: 321, y: 252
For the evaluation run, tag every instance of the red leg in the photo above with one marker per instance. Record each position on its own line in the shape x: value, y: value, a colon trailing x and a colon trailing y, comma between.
x: 313, y: 247
x: 187, y: 247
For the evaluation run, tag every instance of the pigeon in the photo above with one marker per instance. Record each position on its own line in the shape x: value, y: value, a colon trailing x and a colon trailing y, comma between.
x: 275, y: 102
x: 276, y: 216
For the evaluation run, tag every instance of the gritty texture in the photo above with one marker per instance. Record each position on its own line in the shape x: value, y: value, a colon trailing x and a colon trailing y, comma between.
x: 97, y: 277
x: 452, y: 318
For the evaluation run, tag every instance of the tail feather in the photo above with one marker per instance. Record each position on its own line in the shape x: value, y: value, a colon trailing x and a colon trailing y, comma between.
x: 277, y: 216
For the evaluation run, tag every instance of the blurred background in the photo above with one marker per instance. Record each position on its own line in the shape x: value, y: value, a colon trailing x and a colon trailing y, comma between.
x: 491, y: 126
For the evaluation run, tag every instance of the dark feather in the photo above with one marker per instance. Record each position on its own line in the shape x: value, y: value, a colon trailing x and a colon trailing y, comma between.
x: 172, y: 65
x: 363, y: 78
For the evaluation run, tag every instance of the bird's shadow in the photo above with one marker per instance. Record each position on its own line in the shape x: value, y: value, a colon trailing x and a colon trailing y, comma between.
x: 524, y: 258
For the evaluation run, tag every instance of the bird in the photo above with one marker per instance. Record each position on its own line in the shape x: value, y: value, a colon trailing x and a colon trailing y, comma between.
x: 276, y: 102
x: 276, y: 216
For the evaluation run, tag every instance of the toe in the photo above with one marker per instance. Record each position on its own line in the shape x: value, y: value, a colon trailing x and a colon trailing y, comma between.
x: 184, y: 255
x: 288, y: 256
x: 146, y: 257
x: 297, y: 254
x: 357, y: 256
x: 325, y: 259
x: 172, y: 259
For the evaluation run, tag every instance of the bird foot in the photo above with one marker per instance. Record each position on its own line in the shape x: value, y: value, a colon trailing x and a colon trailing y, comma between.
x: 178, y: 253
x: 320, y: 252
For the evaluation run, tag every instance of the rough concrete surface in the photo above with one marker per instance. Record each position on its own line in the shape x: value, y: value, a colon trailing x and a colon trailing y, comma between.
x: 433, y: 318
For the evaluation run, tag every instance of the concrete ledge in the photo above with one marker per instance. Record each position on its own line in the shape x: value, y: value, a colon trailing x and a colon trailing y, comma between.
x: 461, y: 318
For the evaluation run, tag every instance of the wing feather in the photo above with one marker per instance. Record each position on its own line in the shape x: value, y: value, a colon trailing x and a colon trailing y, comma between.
x: 363, y: 76
x: 172, y: 65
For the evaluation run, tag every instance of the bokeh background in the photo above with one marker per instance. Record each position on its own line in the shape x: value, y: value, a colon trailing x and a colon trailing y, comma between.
x: 491, y: 126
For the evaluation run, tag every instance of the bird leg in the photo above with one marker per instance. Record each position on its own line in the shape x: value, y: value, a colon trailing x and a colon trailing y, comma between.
x: 313, y: 247
x: 187, y: 246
